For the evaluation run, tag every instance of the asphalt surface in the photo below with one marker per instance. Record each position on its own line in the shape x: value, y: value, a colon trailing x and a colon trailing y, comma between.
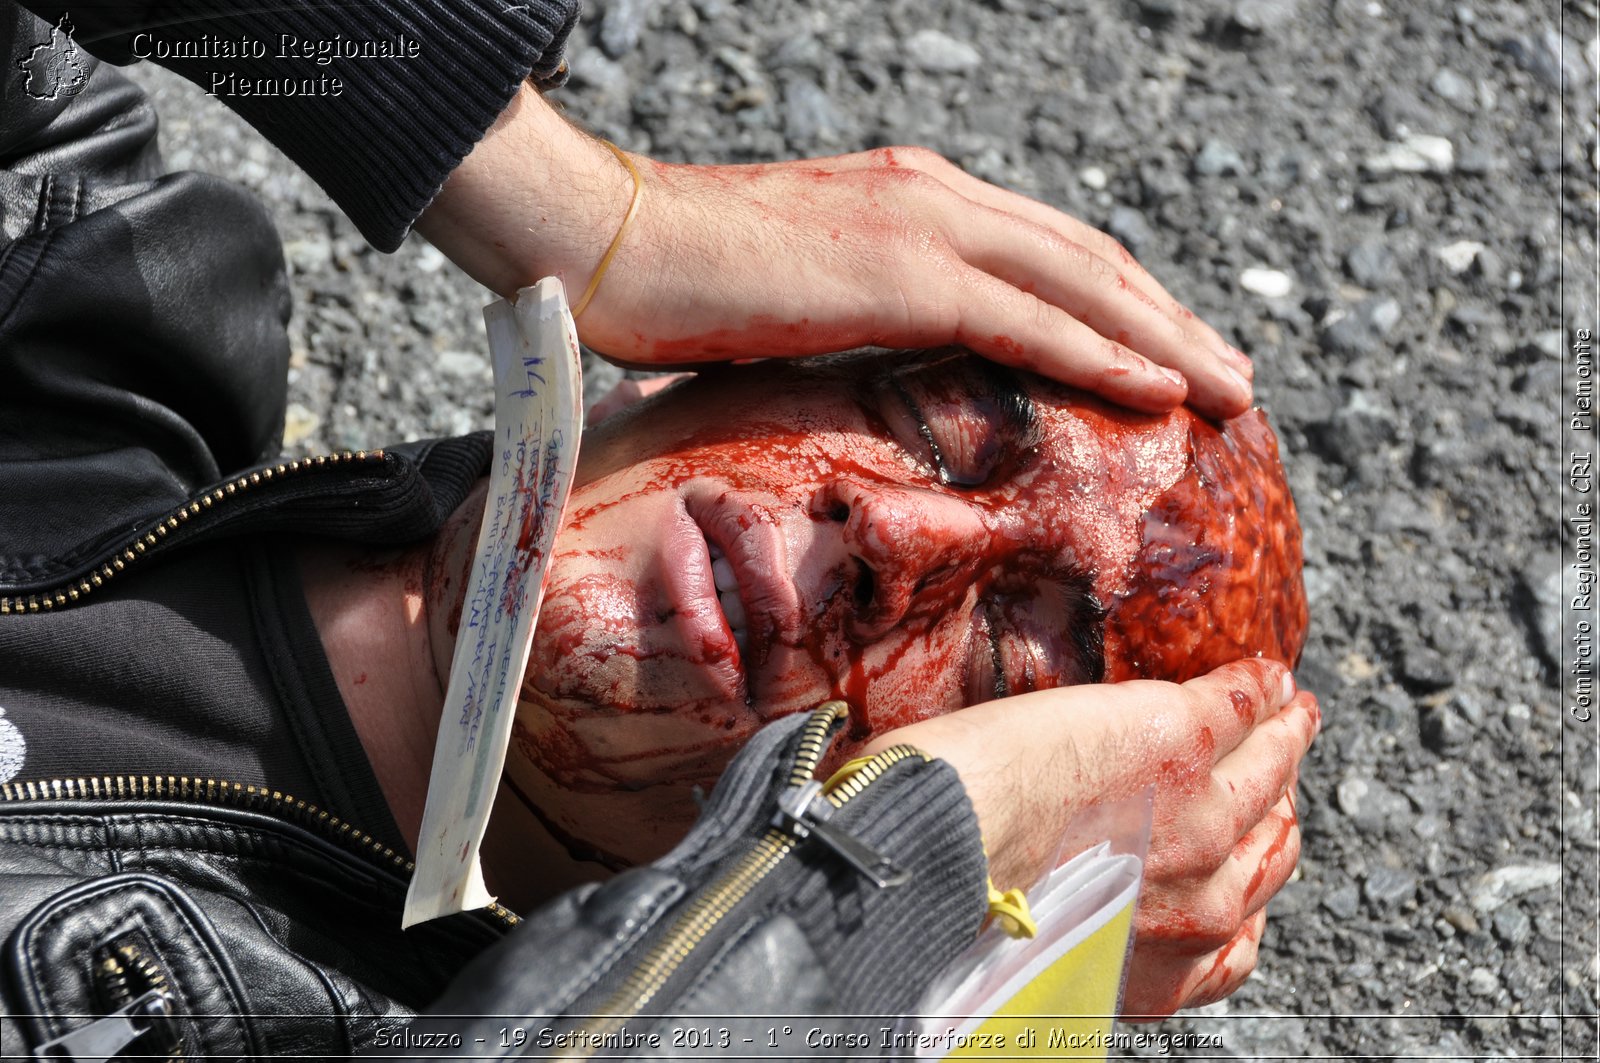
x: 1367, y: 197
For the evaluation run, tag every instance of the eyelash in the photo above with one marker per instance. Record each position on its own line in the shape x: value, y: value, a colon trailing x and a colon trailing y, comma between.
x: 1002, y: 688
x: 935, y: 454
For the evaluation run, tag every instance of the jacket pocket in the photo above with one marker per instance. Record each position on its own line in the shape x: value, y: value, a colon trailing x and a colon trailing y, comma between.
x: 127, y: 963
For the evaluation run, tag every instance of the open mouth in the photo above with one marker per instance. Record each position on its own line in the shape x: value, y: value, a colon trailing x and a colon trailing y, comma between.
x: 727, y: 584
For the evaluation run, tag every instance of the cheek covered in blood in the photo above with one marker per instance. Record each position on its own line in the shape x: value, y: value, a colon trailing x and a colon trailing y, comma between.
x: 1218, y: 574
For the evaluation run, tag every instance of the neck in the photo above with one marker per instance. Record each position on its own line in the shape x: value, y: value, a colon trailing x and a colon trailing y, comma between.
x: 388, y: 622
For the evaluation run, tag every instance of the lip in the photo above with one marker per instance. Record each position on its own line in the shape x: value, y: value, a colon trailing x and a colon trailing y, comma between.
x: 757, y: 551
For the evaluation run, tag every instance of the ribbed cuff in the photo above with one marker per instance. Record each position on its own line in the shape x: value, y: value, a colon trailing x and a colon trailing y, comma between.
x: 380, y: 135
x: 884, y: 946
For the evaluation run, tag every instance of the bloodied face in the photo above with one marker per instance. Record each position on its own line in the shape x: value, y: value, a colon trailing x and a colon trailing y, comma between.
x: 913, y: 536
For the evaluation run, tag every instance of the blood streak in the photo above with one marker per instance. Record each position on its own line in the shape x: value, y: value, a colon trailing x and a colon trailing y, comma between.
x: 1286, y: 826
x: 1243, y: 705
x: 1006, y: 345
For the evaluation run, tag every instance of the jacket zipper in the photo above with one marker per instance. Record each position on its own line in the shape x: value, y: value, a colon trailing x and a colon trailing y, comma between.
x: 713, y: 905
x: 213, y: 500
x: 221, y: 792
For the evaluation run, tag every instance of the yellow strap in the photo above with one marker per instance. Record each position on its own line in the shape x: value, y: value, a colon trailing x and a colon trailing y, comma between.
x: 616, y: 241
x: 842, y: 776
x: 1011, y: 909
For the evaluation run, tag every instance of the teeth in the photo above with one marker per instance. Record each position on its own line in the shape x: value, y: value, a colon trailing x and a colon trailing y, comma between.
x: 733, y: 609
x: 728, y: 594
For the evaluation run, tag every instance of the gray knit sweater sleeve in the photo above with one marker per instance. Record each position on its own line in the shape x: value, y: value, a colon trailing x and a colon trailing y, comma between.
x: 379, y: 133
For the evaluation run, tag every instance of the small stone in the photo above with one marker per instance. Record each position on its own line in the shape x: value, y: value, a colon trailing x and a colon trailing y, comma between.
x: 1158, y: 10
x: 1418, y: 153
x: 1093, y: 177
x: 1371, y: 264
x: 1263, y: 16
x: 1495, y: 888
x: 1354, y: 432
x: 622, y: 25
x: 1129, y: 227
x: 1443, y: 730
x: 1384, y: 315
x: 1268, y: 283
x: 809, y: 115
x: 1369, y: 803
x: 1547, y: 56
x: 1460, y: 918
x: 1482, y: 982
x: 1343, y: 902
x: 1349, y: 793
x: 298, y: 424
x: 1537, y: 604
x: 1491, y: 267
x: 463, y: 364
x: 309, y: 254
x: 1475, y: 161
x: 1217, y: 158
x: 429, y: 259
x: 1459, y: 256
x: 1429, y: 826
x: 1363, y: 328
x: 1423, y: 668
x: 1387, y: 888
x: 1451, y: 86
x: 744, y: 65
x: 593, y: 69
x: 941, y: 53
x: 1159, y: 182
x: 1512, y: 925
x: 1468, y: 707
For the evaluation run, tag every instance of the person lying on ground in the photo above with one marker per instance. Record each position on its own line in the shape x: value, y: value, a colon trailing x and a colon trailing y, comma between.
x: 171, y: 722
x: 913, y: 534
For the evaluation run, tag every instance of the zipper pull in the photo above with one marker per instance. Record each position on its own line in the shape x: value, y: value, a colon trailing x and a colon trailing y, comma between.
x: 107, y: 1036
x: 804, y: 812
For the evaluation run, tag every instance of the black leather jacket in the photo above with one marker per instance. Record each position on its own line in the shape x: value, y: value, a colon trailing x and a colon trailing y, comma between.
x: 142, y: 363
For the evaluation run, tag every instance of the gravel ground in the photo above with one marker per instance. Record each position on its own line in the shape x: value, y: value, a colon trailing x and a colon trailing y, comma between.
x: 1366, y: 197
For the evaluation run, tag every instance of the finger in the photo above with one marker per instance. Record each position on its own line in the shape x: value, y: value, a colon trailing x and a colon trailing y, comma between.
x: 1255, y: 775
x: 997, y: 198
x: 1226, y: 969
x: 1229, y: 702
x: 1162, y: 979
x: 1004, y: 323
x: 1267, y: 854
x: 1070, y: 276
x: 1205, y: 910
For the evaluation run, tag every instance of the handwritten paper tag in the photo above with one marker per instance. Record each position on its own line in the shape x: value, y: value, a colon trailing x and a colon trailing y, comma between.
x: 538, y: 417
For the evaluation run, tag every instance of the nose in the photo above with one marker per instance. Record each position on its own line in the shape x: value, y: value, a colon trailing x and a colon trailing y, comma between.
x: 913, y: 552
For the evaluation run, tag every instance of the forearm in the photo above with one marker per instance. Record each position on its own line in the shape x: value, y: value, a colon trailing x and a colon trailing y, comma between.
x: 536, y: 197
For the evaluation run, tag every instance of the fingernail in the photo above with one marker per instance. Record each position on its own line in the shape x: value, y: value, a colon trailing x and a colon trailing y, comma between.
x: 1286, y: 695
x: 1238, y: 358
x: 1174, y: 376
x: 1238, y: 378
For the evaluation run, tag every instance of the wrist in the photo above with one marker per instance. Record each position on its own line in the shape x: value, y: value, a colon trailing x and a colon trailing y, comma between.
x: 536, y: 197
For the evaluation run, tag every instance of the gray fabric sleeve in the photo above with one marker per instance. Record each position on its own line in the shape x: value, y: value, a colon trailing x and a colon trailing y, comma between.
x: 383, y: 139
x: 816, y: 938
